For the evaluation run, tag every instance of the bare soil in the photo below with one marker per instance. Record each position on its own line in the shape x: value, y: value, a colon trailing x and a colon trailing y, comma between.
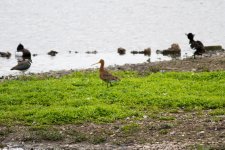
x: 175, y: 130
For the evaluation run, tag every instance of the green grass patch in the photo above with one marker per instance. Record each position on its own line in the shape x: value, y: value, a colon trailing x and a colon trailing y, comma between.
x: 130, y: 128
x: 167, y: 118
x: 82, y: 97
x: 217, y: 112
x: 38, y: 133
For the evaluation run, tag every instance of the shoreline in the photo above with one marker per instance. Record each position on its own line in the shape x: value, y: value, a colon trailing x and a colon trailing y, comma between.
x: 209, y: 62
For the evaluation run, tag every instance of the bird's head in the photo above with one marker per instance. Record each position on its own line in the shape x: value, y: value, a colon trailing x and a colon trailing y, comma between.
x: 190, y: 35
x: 101, y: 61
x: 20, y: 47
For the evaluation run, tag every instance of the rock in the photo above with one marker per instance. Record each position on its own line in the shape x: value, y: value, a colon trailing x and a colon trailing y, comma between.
x: 201, y: 133
x: 172, y: 133
x: 146, y: 147
x: 146, y: 51
x: 134, y: 52
x: 145, y: 116
x: 214, y: 48
x: 74, y: 52
x: 121, y: 51
x: 173, y: 50
x: 128, y: 118
x: 91, y: 52
x: 52, y: 53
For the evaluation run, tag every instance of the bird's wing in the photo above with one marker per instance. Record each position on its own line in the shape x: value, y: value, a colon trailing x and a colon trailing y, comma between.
x: 199, y: 43
x: 108, y: 76
x: 22, y: 65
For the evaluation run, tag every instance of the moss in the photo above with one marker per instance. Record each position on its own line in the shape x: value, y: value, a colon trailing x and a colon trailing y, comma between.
x: 130, y: 128
x: 213, y: 48
x: 42, y: 133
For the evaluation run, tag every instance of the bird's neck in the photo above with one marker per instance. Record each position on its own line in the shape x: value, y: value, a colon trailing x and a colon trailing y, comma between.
x: 191, y: 40
x: 101, y: 67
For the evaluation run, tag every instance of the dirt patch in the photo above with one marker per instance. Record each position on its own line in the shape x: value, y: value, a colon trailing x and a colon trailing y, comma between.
x: 176, y: 130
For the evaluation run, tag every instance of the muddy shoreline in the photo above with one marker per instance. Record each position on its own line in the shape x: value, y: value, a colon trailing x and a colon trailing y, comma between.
x: 211, y: 61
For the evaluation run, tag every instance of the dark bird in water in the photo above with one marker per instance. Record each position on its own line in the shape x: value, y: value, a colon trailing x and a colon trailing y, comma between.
x: 105, y: 75
x: 22, y: 65
x: 5, y: 54
x: 25, y: 52
x: 197, y: 45
x: 52, y: 53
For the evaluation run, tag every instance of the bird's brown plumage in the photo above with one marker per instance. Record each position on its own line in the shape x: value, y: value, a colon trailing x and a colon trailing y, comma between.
x: 105, y: 75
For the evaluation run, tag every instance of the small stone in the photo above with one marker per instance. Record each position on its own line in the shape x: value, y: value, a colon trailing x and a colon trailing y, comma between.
x: 146, y: 147
x: 201, y: 133
x: 121, y: 51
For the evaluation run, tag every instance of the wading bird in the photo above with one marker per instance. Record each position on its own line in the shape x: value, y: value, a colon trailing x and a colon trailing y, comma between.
x: 197, y: 45
x: 22, y: 65
x: 105, y: 75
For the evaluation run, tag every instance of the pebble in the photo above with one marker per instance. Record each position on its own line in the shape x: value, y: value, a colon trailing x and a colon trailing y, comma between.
x: 201, y: 133
x: 145, y: 116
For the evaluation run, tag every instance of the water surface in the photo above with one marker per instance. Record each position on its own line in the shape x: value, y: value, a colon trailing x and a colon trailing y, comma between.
x: 104, y: 25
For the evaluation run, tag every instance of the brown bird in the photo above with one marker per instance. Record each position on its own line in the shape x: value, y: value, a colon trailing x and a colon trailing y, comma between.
x: 105, y: 75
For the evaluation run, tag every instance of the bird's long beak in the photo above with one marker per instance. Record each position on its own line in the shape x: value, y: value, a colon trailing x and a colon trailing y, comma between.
x: 95, y: 63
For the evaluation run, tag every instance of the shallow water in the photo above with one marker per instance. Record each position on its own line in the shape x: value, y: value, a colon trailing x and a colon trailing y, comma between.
x: 104, y: 25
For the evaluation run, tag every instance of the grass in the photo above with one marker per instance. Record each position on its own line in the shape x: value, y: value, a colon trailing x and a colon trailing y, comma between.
x: 42, y: 133
x: 130, y: 128
x: 78, y: 136
x: 82, y: 97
